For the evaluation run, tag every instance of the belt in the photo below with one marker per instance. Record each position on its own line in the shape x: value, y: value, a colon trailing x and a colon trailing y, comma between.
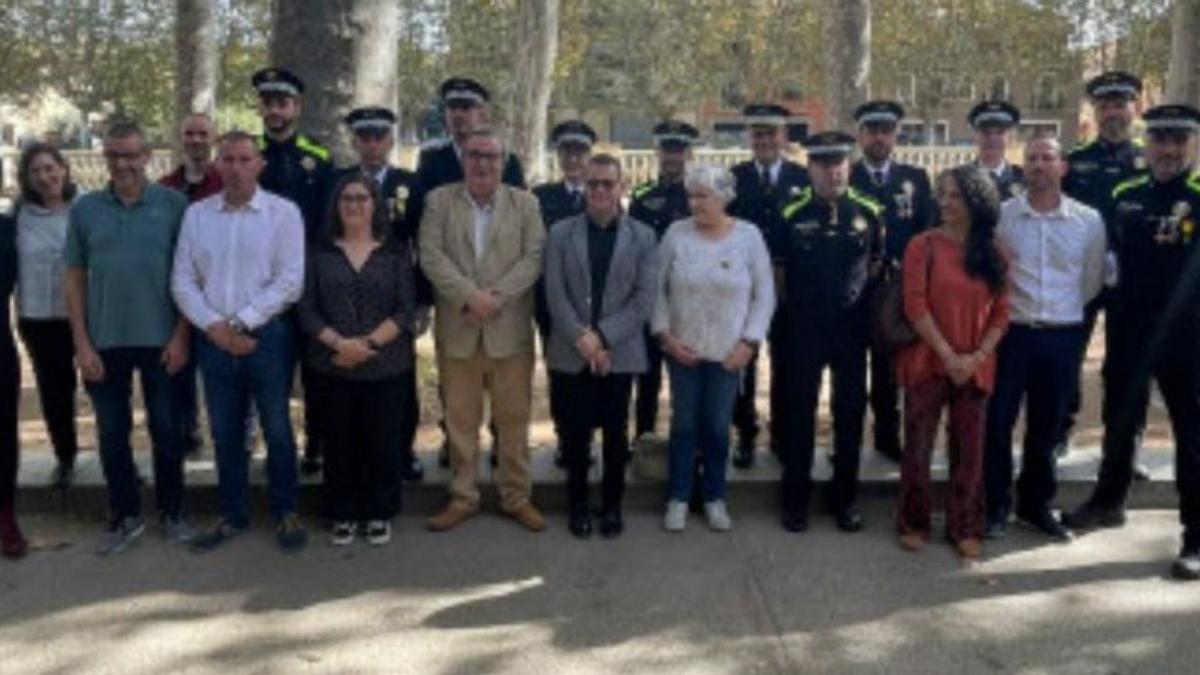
x: 1047, y: 325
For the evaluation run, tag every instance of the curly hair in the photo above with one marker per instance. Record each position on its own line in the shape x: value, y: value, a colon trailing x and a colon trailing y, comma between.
x: 982, y: 259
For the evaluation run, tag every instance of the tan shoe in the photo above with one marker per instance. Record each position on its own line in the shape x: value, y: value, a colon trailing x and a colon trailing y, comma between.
x: 528, y: 516
x: 970, y: 549
x: 912, y: 542
x: 451, y: 517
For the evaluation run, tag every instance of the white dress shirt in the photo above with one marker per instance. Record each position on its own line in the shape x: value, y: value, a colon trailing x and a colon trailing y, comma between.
x: 771, y: 173
x: 242, y: 262
x: 483, y: 224
x: 1056, y: 259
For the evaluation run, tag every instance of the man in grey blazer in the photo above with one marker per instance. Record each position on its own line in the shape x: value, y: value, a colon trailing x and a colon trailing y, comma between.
x: 481, y: 248
x: 600, y: 285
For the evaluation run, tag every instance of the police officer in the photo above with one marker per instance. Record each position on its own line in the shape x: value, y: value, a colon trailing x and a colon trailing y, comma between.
x: 573, y: 140
x: 905, y: 193
x: 658, y: 203
x: 764, y: 184
x: 1094, y: 169
x: 372, y: 138
x: 298, y: 168
x: 1153, y: 317
x: 826, y: 251
x: 440, y: 163
x: 993, y: 122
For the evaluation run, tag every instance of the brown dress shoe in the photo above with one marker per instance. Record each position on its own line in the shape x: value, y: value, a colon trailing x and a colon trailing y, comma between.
x: 529, y: 517
x: 451, y: 517
x: 912, y: 542
x: 970, y: 549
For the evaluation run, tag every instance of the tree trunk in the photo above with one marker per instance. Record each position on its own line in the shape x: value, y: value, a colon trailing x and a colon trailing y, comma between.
x: 847, y: 59
x: 345, y: 51
x: 196, y: 52
x: 1183, y: 78
x: 533, y: 75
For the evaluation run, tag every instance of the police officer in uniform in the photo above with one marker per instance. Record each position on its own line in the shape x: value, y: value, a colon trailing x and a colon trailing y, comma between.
x: 764, y: 184
x: 993, y: 122
x: 1154, y: 316
x: 827, y: 251
x: 1095, y: 168
x: 907, y: 198
x: 659, y: 203
x: 573, y: 140
x: 440, y: 163
x: 372, y: 139
x: 298, y: 168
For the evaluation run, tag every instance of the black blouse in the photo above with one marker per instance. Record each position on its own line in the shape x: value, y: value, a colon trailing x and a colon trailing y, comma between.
x: 8, y: 274
x: 354, y: 303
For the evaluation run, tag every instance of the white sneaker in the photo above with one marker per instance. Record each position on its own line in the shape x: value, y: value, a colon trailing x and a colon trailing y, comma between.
x: 676, y: 517
x: 343, y: 533
x: 718, y: 516
x: 379, y: 532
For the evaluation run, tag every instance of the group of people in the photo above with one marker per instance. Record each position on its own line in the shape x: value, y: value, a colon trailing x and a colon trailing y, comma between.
x: 973, y: 293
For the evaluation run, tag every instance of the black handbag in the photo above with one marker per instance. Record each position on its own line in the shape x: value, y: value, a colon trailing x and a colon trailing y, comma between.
x: 892, y: 330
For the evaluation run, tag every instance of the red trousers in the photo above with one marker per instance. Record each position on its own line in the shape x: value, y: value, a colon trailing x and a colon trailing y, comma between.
x: 923, y: 405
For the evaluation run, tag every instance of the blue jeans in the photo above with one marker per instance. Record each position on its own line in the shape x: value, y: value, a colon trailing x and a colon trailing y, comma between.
x: 701, y: 412
x: 230, y: 383
x: 114, y: 421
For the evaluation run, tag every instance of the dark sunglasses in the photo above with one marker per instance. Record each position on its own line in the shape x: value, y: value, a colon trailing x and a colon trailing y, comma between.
x: 601, y: 184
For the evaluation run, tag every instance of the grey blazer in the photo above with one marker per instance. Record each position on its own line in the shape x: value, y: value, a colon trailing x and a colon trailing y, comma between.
x: 627, y: 301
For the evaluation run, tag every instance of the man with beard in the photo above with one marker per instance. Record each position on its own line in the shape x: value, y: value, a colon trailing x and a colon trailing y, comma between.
x: 764, y: 184
x: 993, y: 122
x: 297, y: 168
x: 905, y: 193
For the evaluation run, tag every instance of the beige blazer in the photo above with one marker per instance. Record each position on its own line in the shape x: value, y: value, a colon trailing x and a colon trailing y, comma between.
x: 510, y: 264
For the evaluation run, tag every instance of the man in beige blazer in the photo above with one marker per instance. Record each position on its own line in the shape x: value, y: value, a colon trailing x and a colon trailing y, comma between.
x: 481, y: 248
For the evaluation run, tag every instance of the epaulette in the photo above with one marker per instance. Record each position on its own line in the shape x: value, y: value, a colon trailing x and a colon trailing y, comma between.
x: 1193, y: 182
x: 1127, y: 185
x: 865, y: 201
x: 434, y: 144
x: 1082, y: 145
x: 312, y: 147
x: 641, y: 190
x: 798, y: 203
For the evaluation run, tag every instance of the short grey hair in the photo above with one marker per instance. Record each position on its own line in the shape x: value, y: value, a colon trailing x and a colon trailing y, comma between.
x: 491, y: 133
x: 712, y: 177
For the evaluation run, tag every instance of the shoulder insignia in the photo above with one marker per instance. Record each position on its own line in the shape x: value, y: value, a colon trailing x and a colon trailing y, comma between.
x: 1082, y: 145
x: 1193, y: 181
x: 312, y: 147
x: 434, y: 144
x: 1127, y: 185
x: 641, y: 190
x: 866, y: 202
x: 798, y: 203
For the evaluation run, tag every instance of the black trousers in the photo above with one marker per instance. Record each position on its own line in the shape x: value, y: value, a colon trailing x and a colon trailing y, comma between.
x: 410, y: 417
x: 1175, y: 367
x: 10, y: 391
x: 745, y: 415
x: 649, y: 384
x: 592, y: 402
x: 885, y: 400
x: 362, y: 458
x: 841, y: 347
x: 1036, y: 365
x: 52, y: 351
x: 777, y: 345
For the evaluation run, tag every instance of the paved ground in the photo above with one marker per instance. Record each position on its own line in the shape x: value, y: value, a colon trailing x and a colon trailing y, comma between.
x: 492, y: 599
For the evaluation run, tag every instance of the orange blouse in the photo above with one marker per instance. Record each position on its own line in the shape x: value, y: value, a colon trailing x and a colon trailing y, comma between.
x: 963, y: 308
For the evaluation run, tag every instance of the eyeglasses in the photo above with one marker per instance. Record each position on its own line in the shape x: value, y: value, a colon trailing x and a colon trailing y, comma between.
x: 601, y: 184
x: 111, y: 156
x: 477, y: 156
x: 354, y: 197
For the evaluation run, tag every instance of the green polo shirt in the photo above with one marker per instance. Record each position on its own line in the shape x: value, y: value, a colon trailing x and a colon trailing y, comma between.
x: 127, y: 252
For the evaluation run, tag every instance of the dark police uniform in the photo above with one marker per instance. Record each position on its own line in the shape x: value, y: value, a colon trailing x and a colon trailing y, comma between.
x: 395, y: 188
x: 761, y: 194
x: 299, y: 169
x: 658, y: 204
x: 1154, y: 316
x: 1094, y: 169
x: 558, y: 201
x: 1010, y: 180
x: 825, y: 252
x: 907, y: 197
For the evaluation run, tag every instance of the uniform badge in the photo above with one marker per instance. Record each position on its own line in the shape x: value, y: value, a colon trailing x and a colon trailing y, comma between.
x: 1128, y: 207
x: 807, y: 227
x: 399, y: 200
x: 795, y: 191
x: 904, y: 200
x: 860, y: 224
x: 655, y: 203
x: 308, y: 163
x: 1169, y: 227
x: 1084, y: 167
x: 1188, y: 227
x: 1015, y: 190
x: 1139, y: 163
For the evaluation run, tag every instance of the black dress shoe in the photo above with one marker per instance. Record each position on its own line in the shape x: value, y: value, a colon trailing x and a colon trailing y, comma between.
x: 996, y: 528
x: 848, y: 519
x: 580, y: 525
x: 611, y: 524
x: 559, y: 460
x: 743, y: 457
x: 310, y: 466
x: 889, y: 450
x: 1044, y: 521
x: 1091, y: 516
x: 63, y: 476
x: 414, y: 472
x: 795, y: 522
x: 1141, y: 472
